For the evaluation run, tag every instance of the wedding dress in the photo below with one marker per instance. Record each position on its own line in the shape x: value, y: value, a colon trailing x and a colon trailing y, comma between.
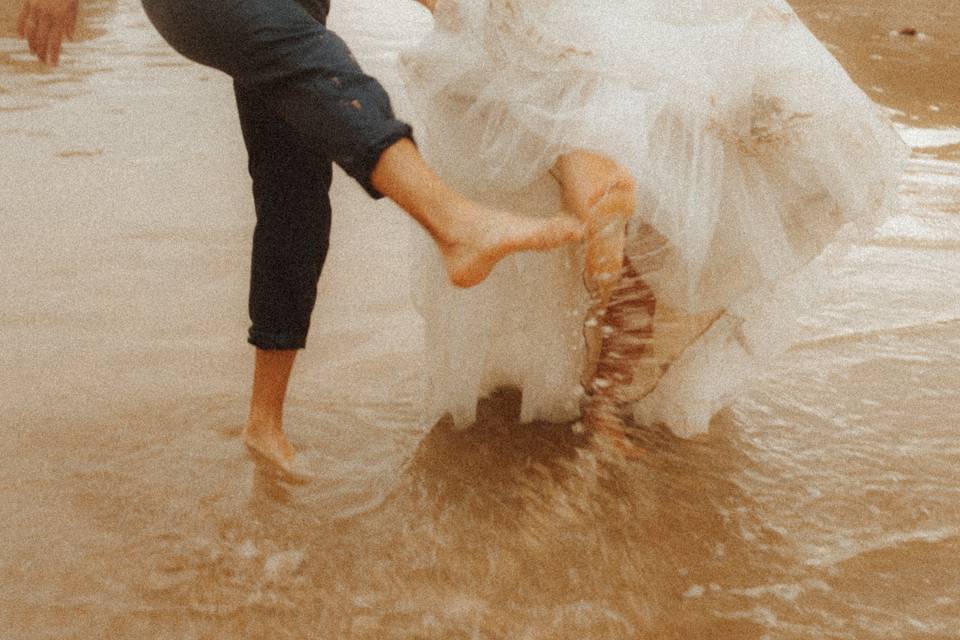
x: 749, y: 144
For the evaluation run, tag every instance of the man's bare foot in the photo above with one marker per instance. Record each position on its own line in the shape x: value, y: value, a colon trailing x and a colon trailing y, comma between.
x: 474, y: 248
x: 271, y: 448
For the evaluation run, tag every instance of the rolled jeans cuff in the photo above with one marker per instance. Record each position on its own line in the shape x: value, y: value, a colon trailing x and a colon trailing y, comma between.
x: 367, y: 159
x: 277, y: 341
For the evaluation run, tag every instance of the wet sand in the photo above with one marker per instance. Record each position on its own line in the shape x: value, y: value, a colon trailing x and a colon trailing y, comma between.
x: 823, y: 503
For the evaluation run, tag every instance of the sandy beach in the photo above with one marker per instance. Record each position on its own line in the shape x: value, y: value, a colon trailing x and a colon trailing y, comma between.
x: 823, y: 503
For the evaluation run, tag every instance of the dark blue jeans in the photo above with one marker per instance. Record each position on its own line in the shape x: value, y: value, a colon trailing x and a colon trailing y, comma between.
x: 304, y: 103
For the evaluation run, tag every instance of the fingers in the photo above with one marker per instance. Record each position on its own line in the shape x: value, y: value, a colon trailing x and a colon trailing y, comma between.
x: 32, y: 28
x: 39, y: 44
x: 45, y: 30
x: 70, y: 22
x: 53, y: 45
x: 24, y: 19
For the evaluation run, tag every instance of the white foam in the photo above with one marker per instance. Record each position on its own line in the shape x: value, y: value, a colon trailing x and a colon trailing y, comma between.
x: 920, y: 138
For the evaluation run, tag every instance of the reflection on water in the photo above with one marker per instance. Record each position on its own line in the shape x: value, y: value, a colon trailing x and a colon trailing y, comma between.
x: 915, y: 75
x: 901, y: 71
x: 822, y: 504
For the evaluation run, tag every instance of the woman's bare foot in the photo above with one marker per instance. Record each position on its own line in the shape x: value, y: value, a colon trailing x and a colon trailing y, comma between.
x: 472, y: 247
x: 270, y: 447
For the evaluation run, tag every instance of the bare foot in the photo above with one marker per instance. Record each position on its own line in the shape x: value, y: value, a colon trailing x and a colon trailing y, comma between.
x: 270, y: 447
x: 474, y: 249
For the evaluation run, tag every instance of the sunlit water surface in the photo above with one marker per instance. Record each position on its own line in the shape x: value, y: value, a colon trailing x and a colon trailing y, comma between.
x: 824, y: 503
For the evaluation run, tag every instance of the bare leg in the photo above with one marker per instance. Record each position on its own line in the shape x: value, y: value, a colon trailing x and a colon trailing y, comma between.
x: 263, y: 433
x: 471, y: 238
x: 626, y: 369
x: 601, y: 193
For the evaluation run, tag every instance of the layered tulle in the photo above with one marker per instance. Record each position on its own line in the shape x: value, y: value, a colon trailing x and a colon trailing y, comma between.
x: 750, y: 146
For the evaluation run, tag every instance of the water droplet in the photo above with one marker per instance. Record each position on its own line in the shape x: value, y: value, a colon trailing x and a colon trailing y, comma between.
x: 281, y: 566
x: 696, y: 591
x: 248, y: 550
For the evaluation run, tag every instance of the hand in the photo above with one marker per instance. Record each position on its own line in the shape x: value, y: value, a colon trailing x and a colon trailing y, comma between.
x: 44, y: 23
x: 429, y: 4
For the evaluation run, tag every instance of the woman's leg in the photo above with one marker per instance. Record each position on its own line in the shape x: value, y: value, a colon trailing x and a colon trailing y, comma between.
x: 601, y: 194
x: 619, y: 324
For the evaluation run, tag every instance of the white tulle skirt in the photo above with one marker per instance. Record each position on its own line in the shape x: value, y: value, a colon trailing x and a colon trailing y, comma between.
x: 750, y: 146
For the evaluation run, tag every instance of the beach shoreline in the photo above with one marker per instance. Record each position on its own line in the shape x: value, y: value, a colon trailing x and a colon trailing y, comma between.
x: 128, y: 508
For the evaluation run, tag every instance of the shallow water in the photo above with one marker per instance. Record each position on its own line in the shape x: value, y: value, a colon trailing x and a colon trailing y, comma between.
x: 822, y: 504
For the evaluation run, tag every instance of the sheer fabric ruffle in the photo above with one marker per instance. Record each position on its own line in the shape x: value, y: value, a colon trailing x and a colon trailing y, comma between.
x: 750, y: 146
